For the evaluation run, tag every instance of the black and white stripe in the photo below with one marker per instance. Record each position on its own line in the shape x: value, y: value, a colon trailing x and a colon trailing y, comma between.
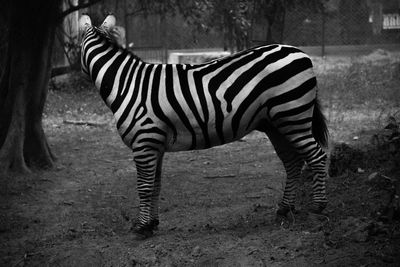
x: 164, y: 107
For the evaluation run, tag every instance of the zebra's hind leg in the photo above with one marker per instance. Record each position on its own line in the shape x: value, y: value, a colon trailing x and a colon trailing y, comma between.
x: 318, y: 167
x: 310, y: 150
x: 292, y: 163
x: 148, y: 165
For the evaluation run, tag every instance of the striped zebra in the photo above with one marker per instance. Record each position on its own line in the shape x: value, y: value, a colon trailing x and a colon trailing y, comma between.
x: 165, y: 107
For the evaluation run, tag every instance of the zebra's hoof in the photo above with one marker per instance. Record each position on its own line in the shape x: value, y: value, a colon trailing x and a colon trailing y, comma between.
x: 317, y: 208
x: 283, y: 220
x: 154, y: 224
x: 285, y: 215
x: 284, y: 211
x: 142, y: 233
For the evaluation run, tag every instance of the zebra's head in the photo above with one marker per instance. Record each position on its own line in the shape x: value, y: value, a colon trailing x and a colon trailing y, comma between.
x: 108, y: 31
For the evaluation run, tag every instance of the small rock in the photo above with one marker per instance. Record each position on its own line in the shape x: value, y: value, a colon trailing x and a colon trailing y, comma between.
x: 196, y: 251
x: 298, y: 244
x: 60, y: 168
x: 373, y: 176
x: 252, y: 250
x: 68, y: 203
x: 359, y: 236
x: 359, y: 170
x: 133, y: 262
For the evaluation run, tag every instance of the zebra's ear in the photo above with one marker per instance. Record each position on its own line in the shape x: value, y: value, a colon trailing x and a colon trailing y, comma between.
x: 84, y: 23
x: 118, y: 34
x: 109, y: 22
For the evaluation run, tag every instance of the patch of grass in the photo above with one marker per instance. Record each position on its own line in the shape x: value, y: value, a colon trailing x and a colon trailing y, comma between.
x: 359, y: 94
x: 73, y: 97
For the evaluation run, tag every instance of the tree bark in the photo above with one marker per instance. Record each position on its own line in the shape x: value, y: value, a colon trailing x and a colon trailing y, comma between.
x: 23, y: 86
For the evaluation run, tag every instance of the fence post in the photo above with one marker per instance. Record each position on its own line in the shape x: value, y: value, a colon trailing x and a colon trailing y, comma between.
x: 163, y: 37
x: 165, y: 54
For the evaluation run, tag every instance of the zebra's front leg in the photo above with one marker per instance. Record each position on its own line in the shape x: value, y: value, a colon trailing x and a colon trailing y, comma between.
x: 156, y: 194
x: 148, y: 165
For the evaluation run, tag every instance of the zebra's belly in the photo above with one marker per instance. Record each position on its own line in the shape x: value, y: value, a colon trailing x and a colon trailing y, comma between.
x: 213, y: 134
x: 185, y: 141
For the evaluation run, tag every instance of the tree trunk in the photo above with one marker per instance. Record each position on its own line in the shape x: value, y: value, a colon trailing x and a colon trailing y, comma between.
x: 274, y: 14
x: 23, y: 86
x: 271, y: 20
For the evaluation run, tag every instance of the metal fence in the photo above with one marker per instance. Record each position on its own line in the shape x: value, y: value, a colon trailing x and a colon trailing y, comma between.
x: 151, y: 54
x: 341, y: 26
x: 356, y: 22
x: 341, y: 23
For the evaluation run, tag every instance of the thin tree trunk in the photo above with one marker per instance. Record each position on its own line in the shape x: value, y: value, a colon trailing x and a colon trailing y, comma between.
x: 127, y: 24
x: 283, y: 20
x: 269, y: 39
x: 249, y: 39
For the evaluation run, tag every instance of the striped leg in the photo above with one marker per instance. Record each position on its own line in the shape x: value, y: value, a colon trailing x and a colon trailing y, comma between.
x: 304, y: 128
x: 294, y: 148
x: 156, y: 194
x: 315, y: 157
x: 148, y: 165
x: 318, y: 166
x: 292, y: 164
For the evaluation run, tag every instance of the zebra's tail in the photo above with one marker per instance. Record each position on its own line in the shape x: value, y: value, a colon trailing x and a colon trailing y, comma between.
x: 319, y: 126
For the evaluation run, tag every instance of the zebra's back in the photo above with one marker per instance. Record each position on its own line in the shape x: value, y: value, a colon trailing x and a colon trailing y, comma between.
x: 205, y: 105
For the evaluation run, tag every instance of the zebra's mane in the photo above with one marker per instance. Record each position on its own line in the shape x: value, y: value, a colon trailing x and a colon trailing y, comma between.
x: 110, y: 39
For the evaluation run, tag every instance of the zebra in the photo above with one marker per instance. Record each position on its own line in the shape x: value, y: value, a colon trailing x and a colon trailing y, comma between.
x: 162, y: 108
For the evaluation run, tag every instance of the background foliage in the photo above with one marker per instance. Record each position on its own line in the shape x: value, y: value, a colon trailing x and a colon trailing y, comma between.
x: 237, y: 24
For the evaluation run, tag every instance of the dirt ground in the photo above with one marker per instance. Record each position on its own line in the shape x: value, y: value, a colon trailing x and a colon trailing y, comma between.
x: 217, y: 206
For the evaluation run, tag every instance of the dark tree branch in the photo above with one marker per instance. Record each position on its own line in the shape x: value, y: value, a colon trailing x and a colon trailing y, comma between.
x: 135, y: 12
x: 73, y: 8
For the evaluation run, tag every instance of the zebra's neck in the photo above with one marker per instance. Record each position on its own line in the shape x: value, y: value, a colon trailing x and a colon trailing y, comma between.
x: 105, y: 62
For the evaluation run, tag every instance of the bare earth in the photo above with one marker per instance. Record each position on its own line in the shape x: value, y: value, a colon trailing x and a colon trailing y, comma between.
x: 217, y: 206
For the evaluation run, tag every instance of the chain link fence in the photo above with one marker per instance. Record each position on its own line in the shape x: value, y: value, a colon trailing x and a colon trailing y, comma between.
x: 342, y: 26
x: 340, y: 23
x: 356, y: 22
